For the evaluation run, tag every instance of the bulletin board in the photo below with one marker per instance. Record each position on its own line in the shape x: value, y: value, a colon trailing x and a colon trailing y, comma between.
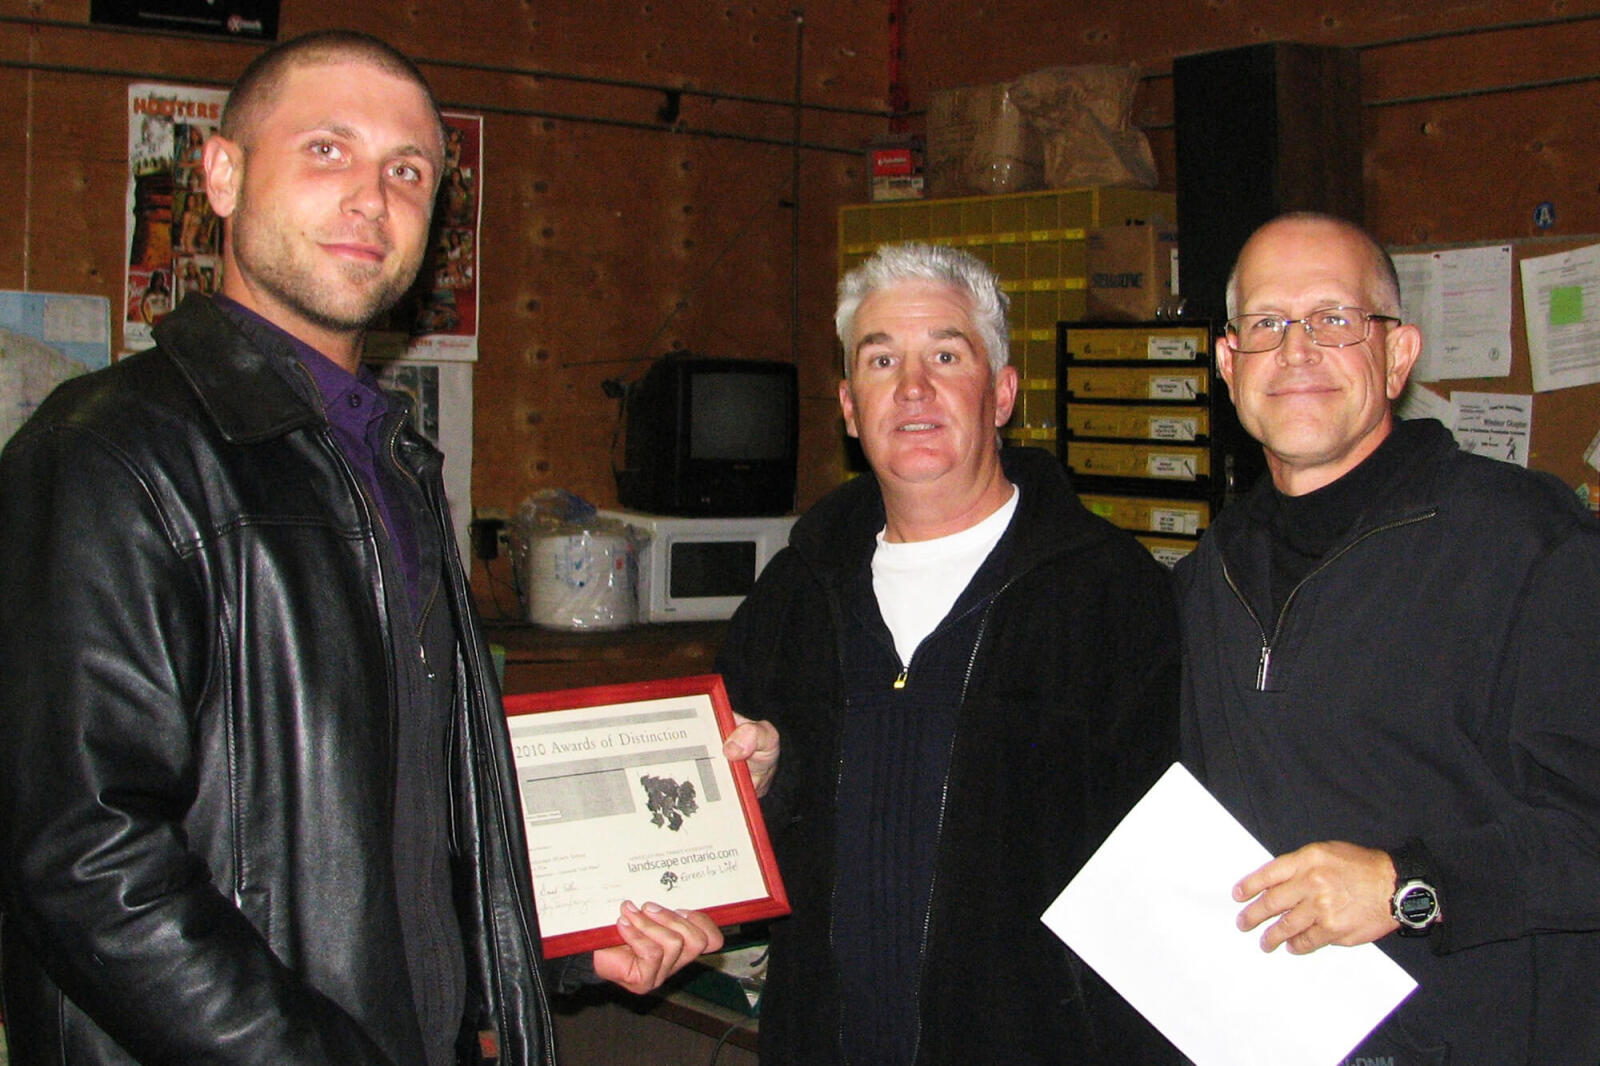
x: 1565, y: 421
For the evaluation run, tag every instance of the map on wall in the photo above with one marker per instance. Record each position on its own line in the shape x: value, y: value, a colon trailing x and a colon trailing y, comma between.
x: 46, y: 338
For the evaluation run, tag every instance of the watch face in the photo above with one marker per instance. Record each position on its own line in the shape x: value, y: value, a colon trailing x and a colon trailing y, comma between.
x: 1417, y: 906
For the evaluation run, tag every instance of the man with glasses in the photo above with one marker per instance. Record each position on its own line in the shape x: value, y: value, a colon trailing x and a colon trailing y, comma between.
x: 1391, y: 674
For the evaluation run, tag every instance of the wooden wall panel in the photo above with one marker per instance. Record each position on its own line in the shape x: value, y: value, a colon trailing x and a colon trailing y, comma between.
x: 14, y: 154
x: 1474, y: 168
x: 1473, y: 114
x: 964, y: 44
x: 612, y: 233
x: 79, y: 155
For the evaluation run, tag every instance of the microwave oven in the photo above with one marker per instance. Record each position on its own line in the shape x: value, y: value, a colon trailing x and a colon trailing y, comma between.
x: 699, y: 569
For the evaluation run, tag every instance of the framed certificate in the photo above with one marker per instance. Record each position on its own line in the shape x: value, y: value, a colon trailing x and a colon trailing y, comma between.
x: 626, y: 795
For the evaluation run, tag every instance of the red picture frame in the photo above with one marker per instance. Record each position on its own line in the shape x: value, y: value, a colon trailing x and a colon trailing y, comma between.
x: 597, y: 779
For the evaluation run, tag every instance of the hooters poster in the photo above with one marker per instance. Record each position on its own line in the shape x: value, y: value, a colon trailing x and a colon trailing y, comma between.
x: 174, y: 239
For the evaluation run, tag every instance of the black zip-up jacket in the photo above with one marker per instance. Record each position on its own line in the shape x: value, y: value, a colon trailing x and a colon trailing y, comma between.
x: 198, y: 695
x: 1436, y: 677
x: 1070, y: 715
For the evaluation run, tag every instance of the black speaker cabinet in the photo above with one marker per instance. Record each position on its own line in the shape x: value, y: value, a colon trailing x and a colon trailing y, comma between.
x: 1260, y: 130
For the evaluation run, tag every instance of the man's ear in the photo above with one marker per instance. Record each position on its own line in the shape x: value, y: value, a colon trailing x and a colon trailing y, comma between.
x: 1402, y: 347
x: 847, y: 405
x: 1224, y: 353
x: 222, y: 161
x: 1005, y: 395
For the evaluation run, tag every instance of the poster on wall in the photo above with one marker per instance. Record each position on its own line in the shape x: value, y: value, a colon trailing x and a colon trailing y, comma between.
x: 250, y: 19
x: 441, y: 410
x: 438, y: 318
x: 428, y: 344
x: 174, y: 240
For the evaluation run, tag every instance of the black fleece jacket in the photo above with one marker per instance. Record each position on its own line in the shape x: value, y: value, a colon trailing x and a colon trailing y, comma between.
x: 1069, y: 716
x: 1436, y: 676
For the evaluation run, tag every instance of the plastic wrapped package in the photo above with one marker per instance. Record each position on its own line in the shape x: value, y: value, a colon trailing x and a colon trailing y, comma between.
x: 1084, y: 116
x: 980, y: 144
x: 574, y: 569
x: 1057, y: 128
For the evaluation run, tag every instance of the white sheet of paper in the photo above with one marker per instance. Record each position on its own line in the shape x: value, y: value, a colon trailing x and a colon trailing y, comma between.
x: 1419, y: 401
x: 1153, y: 914
x: 1461, y: 299
x: 1561, y: 309
x: 1499, y: 425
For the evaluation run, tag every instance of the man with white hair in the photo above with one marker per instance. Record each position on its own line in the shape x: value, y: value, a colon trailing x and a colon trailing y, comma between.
x: 972, y: 679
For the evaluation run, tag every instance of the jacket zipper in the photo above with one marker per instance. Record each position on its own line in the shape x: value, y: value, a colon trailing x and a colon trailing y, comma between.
x: 1264, y: 660
x: 474, y: 699
x: 838, y: 780
x: 469, y: 650
x: 900, y: 682
x: 938, y: 829
x: 427, y: 607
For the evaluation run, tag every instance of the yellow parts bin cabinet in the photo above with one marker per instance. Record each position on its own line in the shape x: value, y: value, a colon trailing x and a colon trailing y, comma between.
x: 1145, y: 429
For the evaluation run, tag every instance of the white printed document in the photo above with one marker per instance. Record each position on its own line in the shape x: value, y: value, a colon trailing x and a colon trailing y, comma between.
x: 1153, y: 913
x: 1561, y: 307
x: 1461, y: 300
x: 1499, y: 425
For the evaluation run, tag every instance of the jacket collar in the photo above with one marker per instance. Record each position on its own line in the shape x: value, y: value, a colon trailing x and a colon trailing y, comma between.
x: 243, y: 382
x: 1411, y: 492
x: 836, y: 537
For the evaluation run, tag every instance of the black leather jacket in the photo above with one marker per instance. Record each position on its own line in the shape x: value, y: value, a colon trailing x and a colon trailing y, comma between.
x: 197, y: 773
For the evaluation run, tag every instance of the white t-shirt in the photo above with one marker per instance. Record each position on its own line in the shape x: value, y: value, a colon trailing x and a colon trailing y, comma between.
x: 917, y: 583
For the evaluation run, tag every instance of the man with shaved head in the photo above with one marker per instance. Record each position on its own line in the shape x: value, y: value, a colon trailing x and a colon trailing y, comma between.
x: 1392, y: 674
x: 256, y: 798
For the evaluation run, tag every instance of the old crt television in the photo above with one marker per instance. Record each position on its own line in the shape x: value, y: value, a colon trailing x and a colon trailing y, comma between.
x: 711, y: 437
x: 700, y: 569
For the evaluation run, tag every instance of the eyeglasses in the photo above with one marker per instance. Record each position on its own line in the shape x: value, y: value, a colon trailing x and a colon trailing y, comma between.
x: 1328, y: 327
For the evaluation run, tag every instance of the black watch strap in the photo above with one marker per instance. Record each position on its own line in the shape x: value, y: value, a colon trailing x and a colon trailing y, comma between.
x: 1411, y: 862
x: 1413, y: 875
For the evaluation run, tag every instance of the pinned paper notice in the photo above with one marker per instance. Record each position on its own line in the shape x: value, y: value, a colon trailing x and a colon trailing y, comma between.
x: 1499, y: 425
x: 1559, y: 295
x: 1461, y: 299
x: 1153, y: 913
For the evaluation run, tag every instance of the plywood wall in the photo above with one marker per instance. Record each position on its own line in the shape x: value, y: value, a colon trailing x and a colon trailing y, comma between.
x: 613, y: 234
x: 1473, y: 116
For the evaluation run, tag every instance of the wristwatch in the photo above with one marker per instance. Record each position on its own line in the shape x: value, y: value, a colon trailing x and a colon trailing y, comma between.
x: 1415, y: 903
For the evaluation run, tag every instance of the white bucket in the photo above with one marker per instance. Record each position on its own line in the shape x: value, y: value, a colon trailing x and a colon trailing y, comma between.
x: 581, y: 580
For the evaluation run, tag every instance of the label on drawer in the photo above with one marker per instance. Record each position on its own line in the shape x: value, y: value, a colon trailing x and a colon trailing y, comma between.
x: 1173, y: 387
x: 1160, y: 347
x: 1178, y: 467
x: 1173, y: 428
x: 1163, y: 520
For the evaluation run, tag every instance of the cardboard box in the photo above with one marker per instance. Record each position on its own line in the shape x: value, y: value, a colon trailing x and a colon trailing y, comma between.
x: 894, y: 165
x: 1132, y: 272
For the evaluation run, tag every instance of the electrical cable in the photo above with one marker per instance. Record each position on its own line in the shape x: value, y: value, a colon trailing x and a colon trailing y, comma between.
x: 727, y: 1034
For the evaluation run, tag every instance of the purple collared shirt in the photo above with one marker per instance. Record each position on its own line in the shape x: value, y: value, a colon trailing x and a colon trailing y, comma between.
x: 355, y: 407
